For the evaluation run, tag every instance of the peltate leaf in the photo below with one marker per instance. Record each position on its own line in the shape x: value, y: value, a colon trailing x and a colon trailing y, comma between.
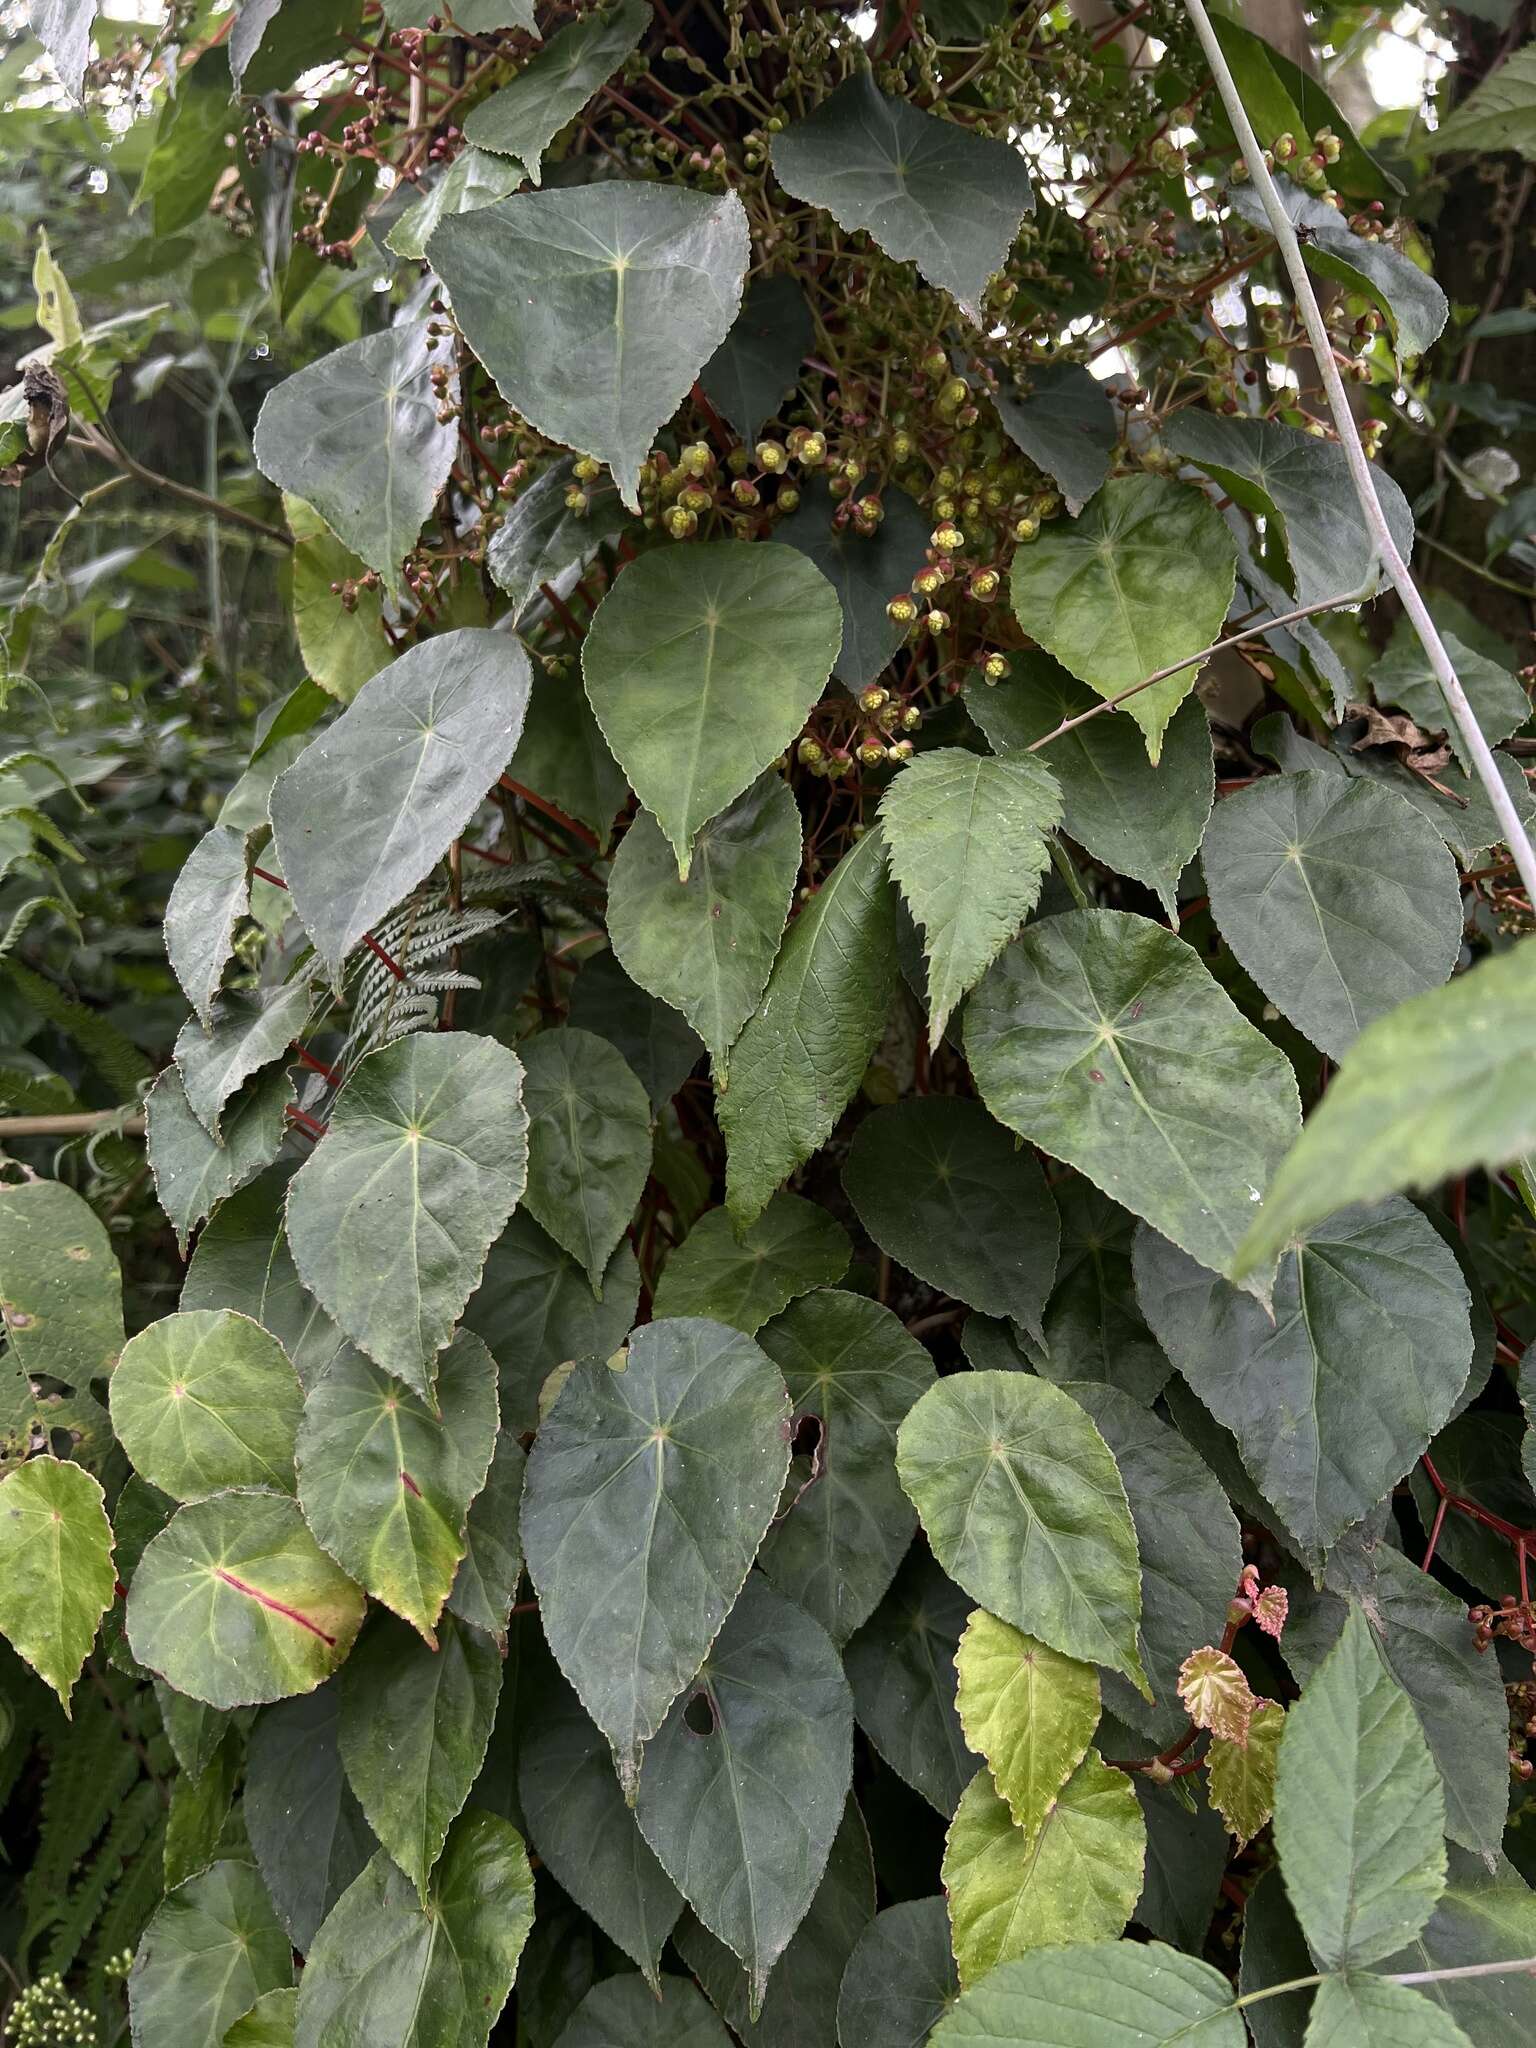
x: 205, y: 1400
x: 56, y: 1577
x: 793, y: 1247
x: 1028, y: 1710
x: 212, y: 1949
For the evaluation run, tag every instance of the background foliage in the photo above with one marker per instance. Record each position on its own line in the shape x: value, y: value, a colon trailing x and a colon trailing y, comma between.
x: 676, y: 1366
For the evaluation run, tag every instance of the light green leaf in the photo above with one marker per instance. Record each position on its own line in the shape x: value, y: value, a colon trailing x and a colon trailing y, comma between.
x: 1022, y: 1504
x: 391, y: 1216
x: 368, y: 808
x: 625, y: 2012
x: 1336, y: 898
x: 1287, y: 475
x: 1121, y: 1994
x: 929, y: 192
x: 594, y: 308
x: 1403, y: 676
x: 209, y: 897
x: 56, y: 1575
x: 584, y: 1832
x: 1102, y: 1038
x: 61, y: 1290
x: 523, y: 118
x: 793, y: 1246
x: 212, y: 1949
x: 387, y: 1971
x: 242, y: 1262
x: 205, y: 1400
x: 707, y: 945
x: 1437, y: 1087
x: 803, y: 1053
x: 901, y: 1666
x: 486, y: 1582
x: 589, y: 1142
x: 1144, y: 577
x: 414, y: 1724
x: 357, y: 436
x: 758, y: 363
x: 269, y: 2023
x: 541, y: 540
x: 948, y: 1194
x: 1498, y: 114
x: 1140, y: 820
x: 967, y: 837
x: 743, y: 1789
x: 900, y: 1980
x: 849, y: 1364
x: 1283, y: 98
x: 866, y: 571
x: 235, y: 1604
x: 701, y: 664
x: 474, y: 179
x: 1334, y: 1395
x: 246, y: 1032
x: 1028, y: 1710
x: 343, y: 646
x: 1358, y: 2010
x: 1065, y: 424
x: 1077, y: 1877
x: 1241, y: 1779
x: 305, y: 1825
x: 648, y: 1491
x: 192, y: 1172
x: 1359, y: 1812
x: 386, y: 1484
x: 474, y: 16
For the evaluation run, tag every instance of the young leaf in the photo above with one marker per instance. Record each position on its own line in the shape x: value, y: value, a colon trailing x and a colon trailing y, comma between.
x: 649, y: 1489
x: 901, y: 1666
x: 626, y: 2012
x: 1103, y: 1039
x: 948, y: 1194
x: 1359, y: 1812
x: 212, y: 1949
x: 707, y: 945
x: 235, y: 1604
x: 413, y: 1728
x: 387, y: 1968
x: 1241, y: 1777
x: 245, y: 1032
x: 242, y: 1262
x: 194, y: 1173
x: 900, y: 1980
x: 205, y: 1400
x: 1023, y: 1505
x: 1076, y: 1879
x: 474, y: 179
x: 368, y: 808
x: 1140, y: 820
x: 1120, y: 1994
x: 1028, y: 1710
x: 210, y: 895
x: 769, y: 1699
x: 1143, y: 578
x: 701, y: 665
x: 594, y: 308
x: 1334, y: 1396
x: 792, y: 1248
x: 805, y: 1050
x: 525, y: 117
x: 589, y: 1143
x: 392, y: 1214
x: 866, y: 571
x: 850, y: 1365
x: 929, y: 192
x: 61, y: 1288
x: 758, y: 362
x: 357, y: 436
x: 1216, y: 1695
x: 56, y: 1575
x: 1336, y: 898
x: 385, y: 1483
x: 1359, y: 2010
x: 1433, y: 1089
x: 306, y: 1827
x: 967, y: 838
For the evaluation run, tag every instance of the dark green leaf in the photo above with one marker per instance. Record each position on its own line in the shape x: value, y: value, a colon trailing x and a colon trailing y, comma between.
x: 242, y: 1262
x: 194, y: 1173
x: 1403, y: 676
x: 1094, y: 1328
x: 269, y: 2023
x: 207, y: 901
x: 525, y: 117
x: 212, y: 1949
x: 1481, y: 1918
x: 901, y: 1666
x: 900, y: 1980
x: 791, y: 1248
x: 302, y: 1816
x: 563, y: 756
x: 625, y: 2012
x: 542, y: 541
x: 486, y: 1582
x: 246, y: 1032
x: 589, y: 1143
x: 1187, y: 1852
x: 1065, y: 424
x: 759, y: 361
x: 866, y: 571
x: 660, y: 1047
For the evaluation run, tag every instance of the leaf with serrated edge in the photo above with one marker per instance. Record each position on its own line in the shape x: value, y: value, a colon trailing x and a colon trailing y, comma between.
x: 702, y: 664
x: 242, y: 1262
x: 56, y: 1578
x: 305, y: 1825
x: 1077, y: 1876
x: 205, y: 1400
x: 524, y: 117
x: 648, y: 1492
x: 625, y: 2012
x: 247, y: 1032
x: 1216, y: 1694
x: 792, y: 1248
x: 209, y: 897
x: 269, y: 2023
x: 61, y: 1288
x: 1103, y: 1038
x: 485, y: 1585
x: 594, y: 308
x: 212, y: 1949
x: 392, y: 1214
x: 589, y: 1142
x: 235, y: 1604
x: 385, y: 1483
x: 1241, y: 1778
x: 1028, y: 1710
x: 193, y: 1173
x: 1117, y: 1994
x: 1023, y: 1505
x: 367, y: 809
x: 900, y: 1980
x: 967, y: 835
x: 1359, y: 2010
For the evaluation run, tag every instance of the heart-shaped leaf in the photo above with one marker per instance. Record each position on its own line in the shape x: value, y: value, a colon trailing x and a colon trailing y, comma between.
x: 245, y: 1032
x: 1028, y: 1710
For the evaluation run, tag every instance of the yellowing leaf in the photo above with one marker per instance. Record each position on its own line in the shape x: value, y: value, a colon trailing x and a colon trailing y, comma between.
x: 1027, y: 1709
x: 1242, y: 1775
